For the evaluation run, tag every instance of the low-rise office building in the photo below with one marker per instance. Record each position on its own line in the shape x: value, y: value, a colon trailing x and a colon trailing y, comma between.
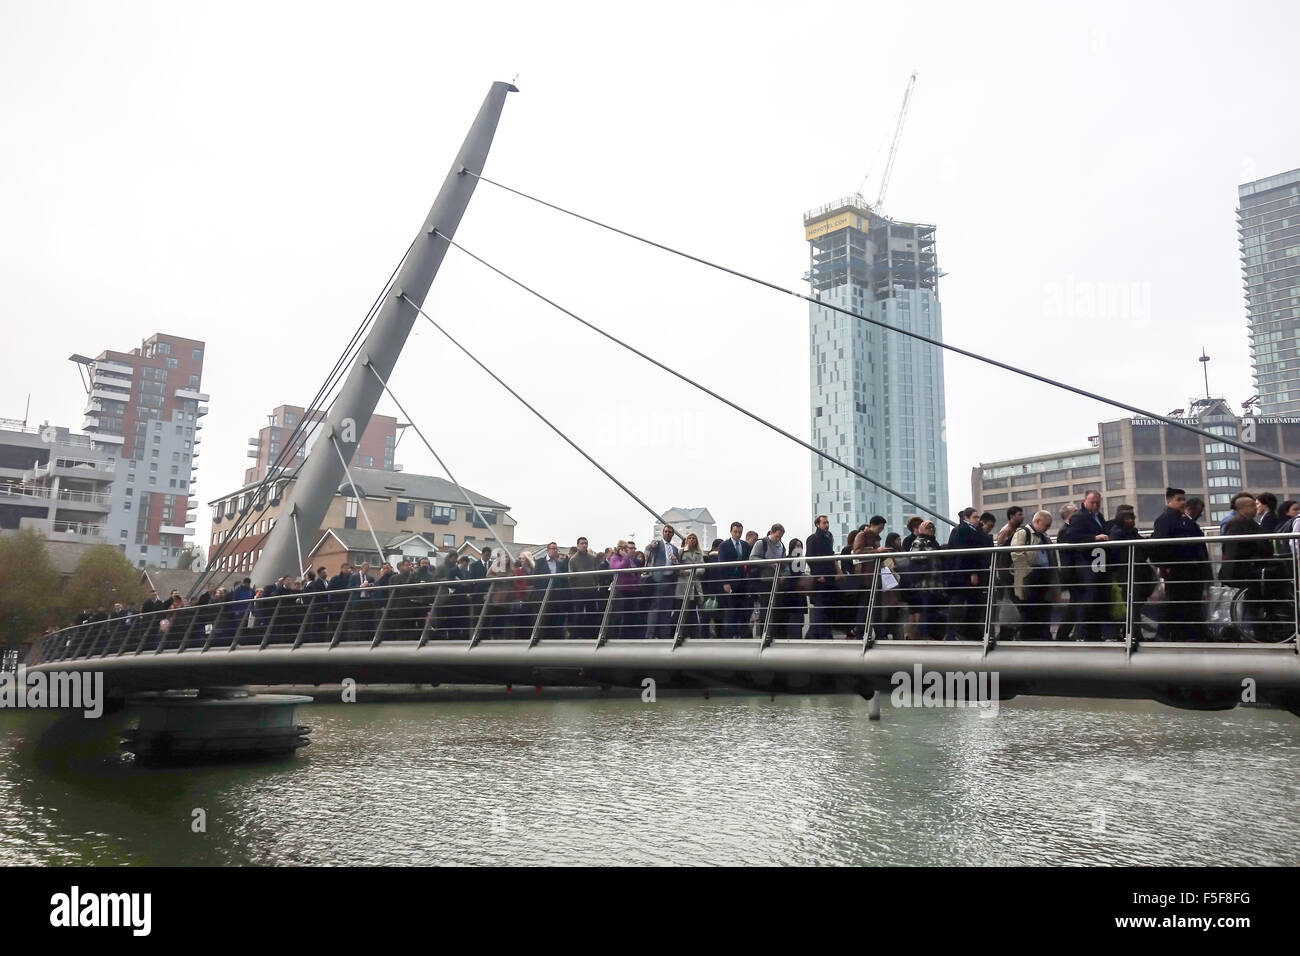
x: 1132, y: 461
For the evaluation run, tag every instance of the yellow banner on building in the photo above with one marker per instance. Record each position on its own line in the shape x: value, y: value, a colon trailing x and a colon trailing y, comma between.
x: 844, y: 220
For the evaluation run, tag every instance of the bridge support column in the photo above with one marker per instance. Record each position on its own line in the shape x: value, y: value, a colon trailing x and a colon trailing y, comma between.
x: 873, y: 705
x: 220, y: 723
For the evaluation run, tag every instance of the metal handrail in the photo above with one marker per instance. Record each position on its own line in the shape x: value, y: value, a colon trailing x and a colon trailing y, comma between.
x: 342, y: 607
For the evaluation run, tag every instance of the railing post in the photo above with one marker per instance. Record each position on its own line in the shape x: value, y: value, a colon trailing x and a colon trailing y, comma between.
x: 308, y: 604
x: 541, y: 612
x: 108, y: 642
x: 162, y: 640
x: 222, y: 610
x: 681, y: 611
x: 249, y: 611
x: 383, y: 617
x: 988, y: 606
x: 867, y: 639
x: 1128, y: 600
x: 603, y: 634
x: 270, y: 625
x: 189, y: 628
x: 75, y: 648
x: 149, y: 621
x: 338, y: 628
x: 428, y: 620
x: 1295, y: 595
x: 127, y: 623
x: 771, y: 601
x: 482, y: 613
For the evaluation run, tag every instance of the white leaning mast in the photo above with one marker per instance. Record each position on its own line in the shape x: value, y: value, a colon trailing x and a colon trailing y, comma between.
x: 318, y: 479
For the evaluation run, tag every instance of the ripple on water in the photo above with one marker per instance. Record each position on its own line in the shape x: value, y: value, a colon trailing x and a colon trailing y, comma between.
x: 735, y: 780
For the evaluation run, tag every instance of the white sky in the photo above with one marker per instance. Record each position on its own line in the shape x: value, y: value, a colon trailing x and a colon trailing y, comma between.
x: 248, y: 174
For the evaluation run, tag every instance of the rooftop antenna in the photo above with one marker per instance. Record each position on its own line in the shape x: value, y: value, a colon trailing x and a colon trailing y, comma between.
x: 1205, y: 369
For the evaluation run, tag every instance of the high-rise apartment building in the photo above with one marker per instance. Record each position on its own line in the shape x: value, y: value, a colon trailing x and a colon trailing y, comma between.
x: 1268, y: 226
x: 146, y: 403
x: 376, y: 449
x: 877, y: 397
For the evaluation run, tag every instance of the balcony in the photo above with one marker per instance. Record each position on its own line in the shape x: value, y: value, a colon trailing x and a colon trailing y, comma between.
x: 112, y: 395
x: 89, y: 422
x: 110, y: 379
x: 108, y: 439
x: 31, y: 494
x: 189, y: 394
x: 86, y: 499
x: 65, y: 530
x: 201, y: 411
x: 175, y: 529
x: 117, y: 368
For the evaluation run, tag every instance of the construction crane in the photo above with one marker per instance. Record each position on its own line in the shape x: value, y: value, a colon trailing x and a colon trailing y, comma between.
x: 893, y: 147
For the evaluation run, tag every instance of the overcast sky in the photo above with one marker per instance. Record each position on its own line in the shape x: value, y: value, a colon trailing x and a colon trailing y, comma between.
x: 248, y: 174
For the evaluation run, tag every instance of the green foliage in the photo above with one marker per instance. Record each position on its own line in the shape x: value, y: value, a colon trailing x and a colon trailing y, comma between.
x: 30, y: 599
x: 102, y: 576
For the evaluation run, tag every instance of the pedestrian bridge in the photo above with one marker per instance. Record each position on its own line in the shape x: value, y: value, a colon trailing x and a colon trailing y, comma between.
x: 591, y: 628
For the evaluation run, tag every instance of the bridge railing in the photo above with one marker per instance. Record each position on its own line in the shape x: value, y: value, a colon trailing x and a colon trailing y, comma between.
x: 1194, y: 590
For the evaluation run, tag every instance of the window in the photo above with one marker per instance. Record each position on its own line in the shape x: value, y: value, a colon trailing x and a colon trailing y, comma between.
x: 1178, y: 441
x: 1264, y: 475
x: 1186, y: 474
x: 449, y: 541
x: 1115, y: 476
x: 440, y: 514
x: 1146, y: 440
x: 1150, y: 474
x: 1150, y: 507
x: 198, y: 355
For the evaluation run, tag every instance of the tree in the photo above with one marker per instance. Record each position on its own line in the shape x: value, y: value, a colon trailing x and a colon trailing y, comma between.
x: 103, y: 575
x: 190, y: 557
x: 29, y: 587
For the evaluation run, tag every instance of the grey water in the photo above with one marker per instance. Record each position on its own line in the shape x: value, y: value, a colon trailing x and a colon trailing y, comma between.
x: 514, y: 779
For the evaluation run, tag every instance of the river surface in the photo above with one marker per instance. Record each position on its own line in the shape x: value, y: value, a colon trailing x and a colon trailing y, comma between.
x: 727, y: 780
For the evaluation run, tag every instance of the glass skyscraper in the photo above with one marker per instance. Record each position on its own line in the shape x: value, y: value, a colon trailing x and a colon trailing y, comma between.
x: 877, y: 397
x: 1268, y: 224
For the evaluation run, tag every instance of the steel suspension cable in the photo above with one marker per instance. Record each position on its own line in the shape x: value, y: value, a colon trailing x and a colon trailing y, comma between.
x: 360, y: 494
x: 705, y: 389
x: 549, y: 424
x: 442, y: 464
x: 938, y: 343
x: 332, y: 381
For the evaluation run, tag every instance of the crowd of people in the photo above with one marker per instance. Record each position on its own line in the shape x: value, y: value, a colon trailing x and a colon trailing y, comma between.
x: 903, y: 584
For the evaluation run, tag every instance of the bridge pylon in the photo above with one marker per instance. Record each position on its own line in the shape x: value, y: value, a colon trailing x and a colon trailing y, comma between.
x: 320, y: 475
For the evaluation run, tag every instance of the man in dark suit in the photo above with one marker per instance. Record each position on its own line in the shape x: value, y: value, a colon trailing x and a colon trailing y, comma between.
x: 1185, y: 567
x: 967, y: 576
x: 553, y: 563
x: 1089, y: 586
x: 820, y: 544
x: 474, y: 593
x: 734, y: 592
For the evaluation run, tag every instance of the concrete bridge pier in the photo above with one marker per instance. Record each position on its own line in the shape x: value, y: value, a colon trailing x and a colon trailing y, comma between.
x: 873, y: 705
x: 217, y: 723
